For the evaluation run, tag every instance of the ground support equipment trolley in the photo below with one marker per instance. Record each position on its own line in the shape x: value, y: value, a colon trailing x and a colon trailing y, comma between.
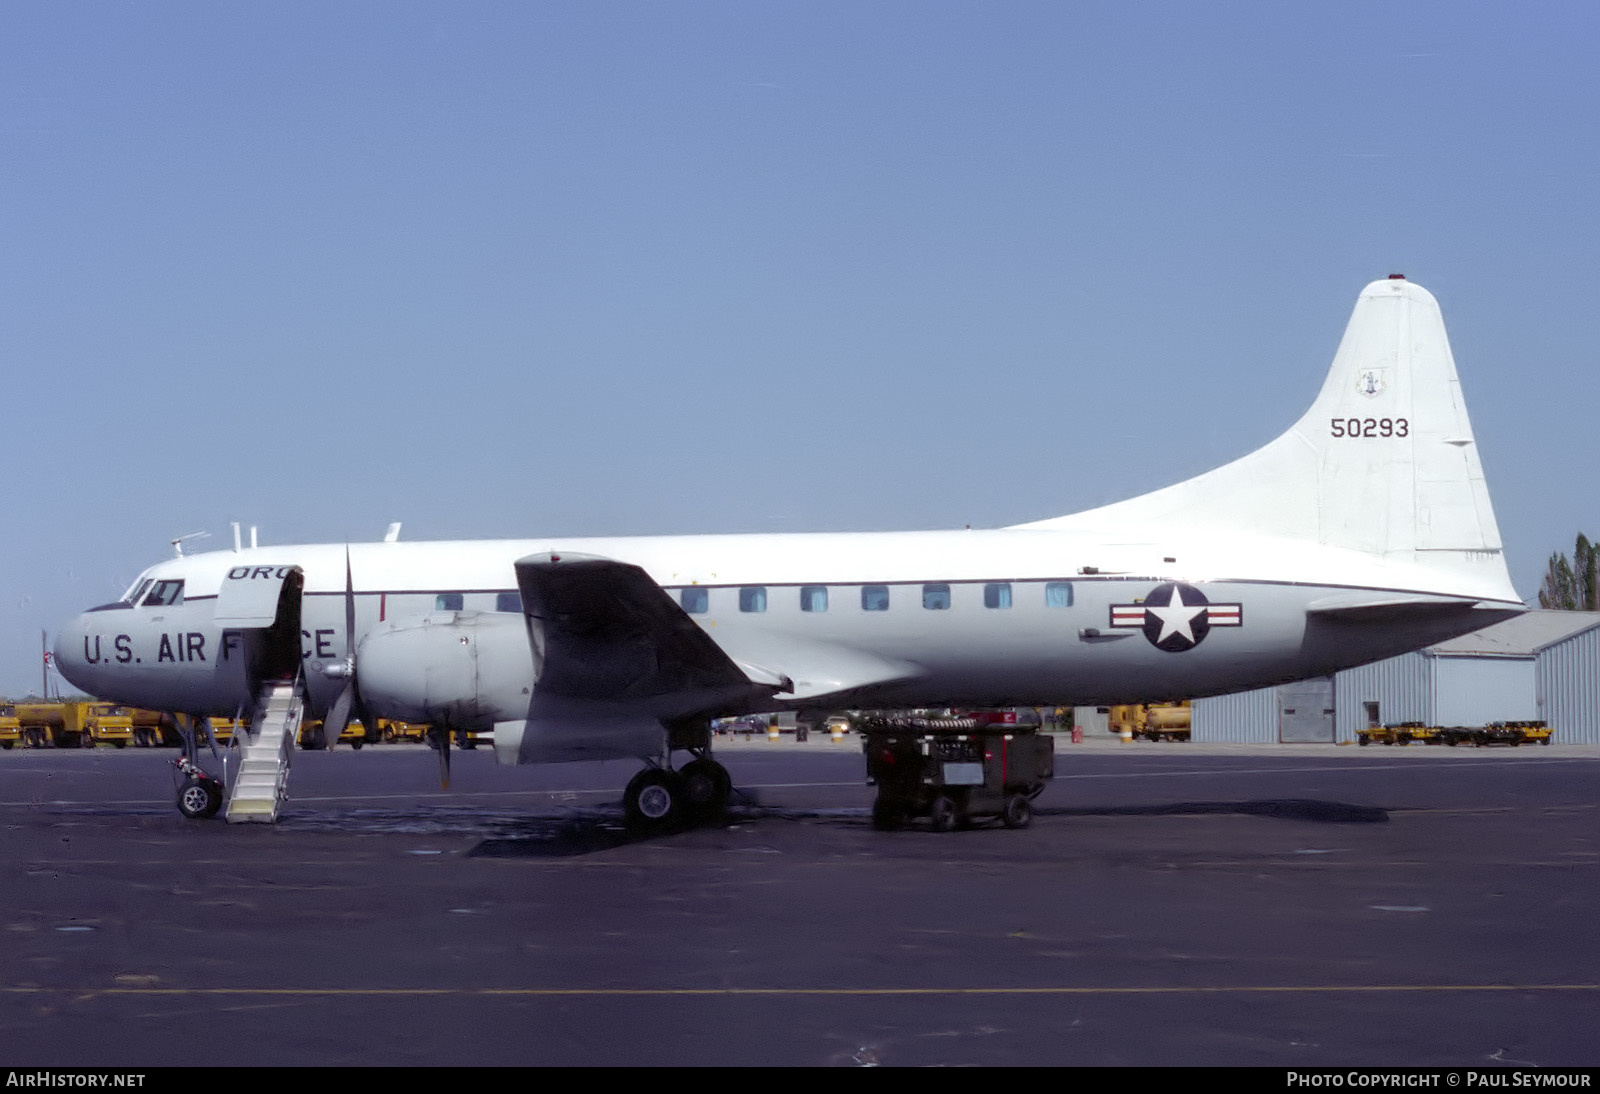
x: 1499, y: 733
x: 1400, y: 733
x: 954, y: 769
x: 1495, y: 733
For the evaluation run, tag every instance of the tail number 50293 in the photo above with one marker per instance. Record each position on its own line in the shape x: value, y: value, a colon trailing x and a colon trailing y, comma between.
x: 1370, y: 427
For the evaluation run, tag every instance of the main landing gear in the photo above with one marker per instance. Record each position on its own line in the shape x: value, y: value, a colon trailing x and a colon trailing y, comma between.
x: 659, y: 799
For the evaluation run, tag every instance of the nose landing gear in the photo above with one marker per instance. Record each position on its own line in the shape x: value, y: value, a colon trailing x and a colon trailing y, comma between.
x: 200, y: 796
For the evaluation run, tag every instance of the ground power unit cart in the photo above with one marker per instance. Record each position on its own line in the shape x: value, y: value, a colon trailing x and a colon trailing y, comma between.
x: 954, y: 770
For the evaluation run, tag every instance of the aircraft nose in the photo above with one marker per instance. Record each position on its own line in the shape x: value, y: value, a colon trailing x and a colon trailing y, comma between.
x: 71, y: 656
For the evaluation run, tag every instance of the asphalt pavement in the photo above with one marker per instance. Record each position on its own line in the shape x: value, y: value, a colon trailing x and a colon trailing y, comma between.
x: 1170, y: 905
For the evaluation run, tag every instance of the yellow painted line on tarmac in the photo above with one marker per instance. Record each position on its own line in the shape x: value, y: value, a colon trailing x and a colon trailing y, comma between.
x: 1286, y: 989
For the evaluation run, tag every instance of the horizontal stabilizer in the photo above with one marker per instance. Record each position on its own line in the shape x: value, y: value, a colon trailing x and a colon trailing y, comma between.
x: 1368, y: 608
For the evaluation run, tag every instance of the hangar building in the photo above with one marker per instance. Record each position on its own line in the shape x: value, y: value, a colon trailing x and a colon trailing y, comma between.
x: 1542, y: 665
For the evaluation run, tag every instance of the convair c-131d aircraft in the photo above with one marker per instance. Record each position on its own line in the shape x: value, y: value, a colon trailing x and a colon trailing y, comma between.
x: 1362, y: 532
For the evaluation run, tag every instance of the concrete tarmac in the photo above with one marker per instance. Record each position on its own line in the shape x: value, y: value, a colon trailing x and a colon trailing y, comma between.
x: 1170, y: 905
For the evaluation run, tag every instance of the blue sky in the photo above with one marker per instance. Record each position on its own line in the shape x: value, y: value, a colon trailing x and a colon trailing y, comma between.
x: 505, y: 269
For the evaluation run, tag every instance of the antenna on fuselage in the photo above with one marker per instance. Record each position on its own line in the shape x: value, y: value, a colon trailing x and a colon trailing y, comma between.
x: 393, y: 534
x: 177, y: 544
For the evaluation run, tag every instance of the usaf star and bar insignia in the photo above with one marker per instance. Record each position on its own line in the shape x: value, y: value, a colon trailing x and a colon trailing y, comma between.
x: 1176, y: 617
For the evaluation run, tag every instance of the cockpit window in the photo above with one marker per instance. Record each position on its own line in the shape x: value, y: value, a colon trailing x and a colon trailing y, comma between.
x: 132, y: 595
x: 165, y: 594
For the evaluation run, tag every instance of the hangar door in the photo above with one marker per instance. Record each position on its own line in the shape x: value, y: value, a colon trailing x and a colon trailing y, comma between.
x: 1305, y: 711
x: 1474, y: 691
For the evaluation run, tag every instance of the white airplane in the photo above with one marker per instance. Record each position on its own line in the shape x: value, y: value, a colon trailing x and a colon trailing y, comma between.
x: 1362, y: 532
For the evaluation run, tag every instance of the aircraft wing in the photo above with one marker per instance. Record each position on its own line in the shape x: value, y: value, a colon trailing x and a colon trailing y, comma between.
x: 603, y: 631
x: 819, y: 670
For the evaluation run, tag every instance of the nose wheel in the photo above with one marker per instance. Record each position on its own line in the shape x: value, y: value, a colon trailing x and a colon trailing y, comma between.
x: 199, y: 797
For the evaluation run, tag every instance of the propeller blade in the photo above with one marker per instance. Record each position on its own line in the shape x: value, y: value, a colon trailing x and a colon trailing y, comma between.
x: 349, y: 607
x: 334, y: 725
x: 338, y: 715
x: 440, y: 740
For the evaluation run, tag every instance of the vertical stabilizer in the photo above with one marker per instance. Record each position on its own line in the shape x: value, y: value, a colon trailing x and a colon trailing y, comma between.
x: 1384, y: 462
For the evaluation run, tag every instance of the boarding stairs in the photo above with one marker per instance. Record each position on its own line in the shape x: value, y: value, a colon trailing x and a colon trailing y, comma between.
x: 259, y: 785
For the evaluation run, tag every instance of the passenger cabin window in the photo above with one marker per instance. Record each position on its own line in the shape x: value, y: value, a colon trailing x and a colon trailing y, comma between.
x: 813, y: 598
x: 508, y: 602
x: 936, y: 598
x: 165, y: 594
x: 695, y: 601
x: 997, y: 595
x: 753, y: 598
x: 447, y: 602
x: 1058, y: 594
x: 874, y: 598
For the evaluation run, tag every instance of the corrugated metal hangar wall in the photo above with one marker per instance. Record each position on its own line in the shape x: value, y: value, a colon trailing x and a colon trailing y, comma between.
x: 1542, y: 665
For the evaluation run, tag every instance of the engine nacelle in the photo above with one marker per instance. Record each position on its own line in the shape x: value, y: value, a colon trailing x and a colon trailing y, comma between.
x: 465, y: 670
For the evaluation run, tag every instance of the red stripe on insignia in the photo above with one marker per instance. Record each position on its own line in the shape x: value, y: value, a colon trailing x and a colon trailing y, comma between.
x: 1225, y: 615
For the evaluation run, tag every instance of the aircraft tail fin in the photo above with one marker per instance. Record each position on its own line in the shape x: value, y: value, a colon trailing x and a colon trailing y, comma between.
x: 1384, y: 462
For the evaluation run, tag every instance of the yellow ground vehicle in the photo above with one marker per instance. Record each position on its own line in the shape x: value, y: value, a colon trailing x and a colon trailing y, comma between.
x: 10, y: 726
x: 72, y: 724
x: 222, y: 729
x: 355, y: 735
x: 153, y: 729
x: 104, y: 722
x: 1495, y: 733
x: 1400, y: 733
x: 1152, y: 721
x: 402, y: 731
x: 41, y: 722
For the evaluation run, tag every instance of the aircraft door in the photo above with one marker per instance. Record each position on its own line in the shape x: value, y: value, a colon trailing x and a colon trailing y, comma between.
x: 258, y: 609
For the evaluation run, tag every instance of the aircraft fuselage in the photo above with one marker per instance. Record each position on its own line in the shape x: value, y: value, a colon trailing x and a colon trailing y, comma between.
x: 1011, y: 616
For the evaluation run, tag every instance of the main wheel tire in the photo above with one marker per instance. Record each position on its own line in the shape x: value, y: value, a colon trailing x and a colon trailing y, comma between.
x: 944, y: 814
x: 1017, y: 813
x: 199, y: 798
x: 706, y: 787
x: 653, y: 800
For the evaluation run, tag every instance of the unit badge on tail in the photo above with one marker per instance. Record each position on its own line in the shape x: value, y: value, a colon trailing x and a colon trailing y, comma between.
x: 1176, y: 617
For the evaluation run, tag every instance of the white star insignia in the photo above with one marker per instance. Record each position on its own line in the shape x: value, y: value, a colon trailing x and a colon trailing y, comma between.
x: 1176, y: 617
